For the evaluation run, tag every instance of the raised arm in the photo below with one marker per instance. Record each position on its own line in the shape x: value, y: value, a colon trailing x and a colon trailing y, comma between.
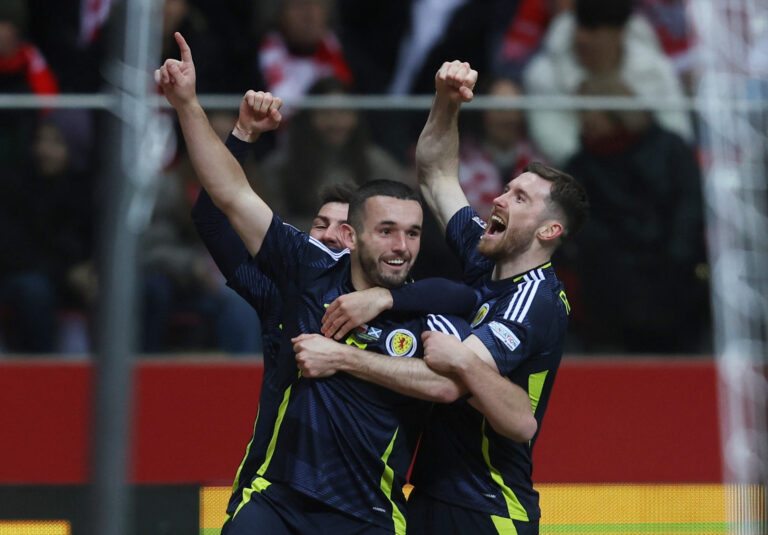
x: 506, y: 406
x: 437, y: 152
x: 219, y: 173
x: 221, y: 240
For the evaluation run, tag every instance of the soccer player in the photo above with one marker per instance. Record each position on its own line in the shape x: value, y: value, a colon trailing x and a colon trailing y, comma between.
x: 473, y: 470
x: 340, y: 448
x: 231, y: 256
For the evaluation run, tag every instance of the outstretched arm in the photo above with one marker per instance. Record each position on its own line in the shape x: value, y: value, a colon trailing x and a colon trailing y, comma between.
x: 438, y: 295
x: 437, y: 152
x: 218, y: 171
x: 449, y: 370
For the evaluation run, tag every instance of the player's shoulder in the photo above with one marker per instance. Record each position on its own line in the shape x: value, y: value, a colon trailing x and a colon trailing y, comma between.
x: 448, y: 324
x: 319, y: 251
x: 536, y: 295
x: 315, y: 250
x: 465, y: 219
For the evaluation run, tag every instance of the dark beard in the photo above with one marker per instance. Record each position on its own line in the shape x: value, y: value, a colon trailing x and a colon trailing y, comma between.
x: 370, y: 267
x: 503, y: 250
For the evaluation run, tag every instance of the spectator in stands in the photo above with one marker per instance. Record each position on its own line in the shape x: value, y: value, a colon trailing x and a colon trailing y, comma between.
x: 395, y: 47
x: 324, y: 147
x: 300, y: 49
x: 526, y: 30
x: 599, y: 37
x: 639, y: 255
x: 181, y: 281
x: 46, y: 215
x: 23, y: 69
x: 497, y: 153
x: 70, y: 35
x: 523, y: 37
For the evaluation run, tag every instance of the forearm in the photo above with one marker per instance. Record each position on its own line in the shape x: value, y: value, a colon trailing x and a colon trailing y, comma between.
x: 408, y: 376
x: 437, y: 160
x: 504, y: 404
x: 223, y: 178
x: 218, y: 171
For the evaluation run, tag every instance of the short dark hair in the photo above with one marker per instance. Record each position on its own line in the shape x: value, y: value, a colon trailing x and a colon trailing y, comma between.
x: 383, y: 187
x: 340, y: 192
x: 567, y: 193
x: 600, y: 13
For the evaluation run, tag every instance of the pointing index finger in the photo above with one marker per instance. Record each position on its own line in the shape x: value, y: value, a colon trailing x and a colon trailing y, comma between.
x: 186, y: 53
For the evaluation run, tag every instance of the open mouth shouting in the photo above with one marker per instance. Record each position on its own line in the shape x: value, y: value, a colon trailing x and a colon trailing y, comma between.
x: 496, y: 225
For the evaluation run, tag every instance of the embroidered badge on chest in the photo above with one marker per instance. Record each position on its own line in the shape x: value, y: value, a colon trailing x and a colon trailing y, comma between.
x: 401, y: 343
x: 364, y: 332
x: 480, y: 315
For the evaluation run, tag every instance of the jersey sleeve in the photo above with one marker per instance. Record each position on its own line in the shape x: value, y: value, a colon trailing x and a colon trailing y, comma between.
x: 462, y: 234
x: 521, y: 330
x: 453, y: 325
x: 213, y: 227
x: 221, y: 240
x: 434, y: 295
x: 282, y: 253
x: 508, y: 342
x: 240, y: 149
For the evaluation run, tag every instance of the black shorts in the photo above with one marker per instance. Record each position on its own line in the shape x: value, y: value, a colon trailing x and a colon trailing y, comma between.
x: 428, y: 516
x: 280, y: 510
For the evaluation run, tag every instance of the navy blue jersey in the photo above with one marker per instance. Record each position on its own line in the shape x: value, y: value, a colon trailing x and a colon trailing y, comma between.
x: 341, y: 440
x: 522, y: 321
x: 232, y: 258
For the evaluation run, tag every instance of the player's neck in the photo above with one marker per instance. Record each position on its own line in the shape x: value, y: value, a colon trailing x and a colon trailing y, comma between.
x: 515, y: 265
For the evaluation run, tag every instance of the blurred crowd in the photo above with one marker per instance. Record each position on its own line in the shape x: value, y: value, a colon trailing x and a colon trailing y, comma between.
x: 636, y: 275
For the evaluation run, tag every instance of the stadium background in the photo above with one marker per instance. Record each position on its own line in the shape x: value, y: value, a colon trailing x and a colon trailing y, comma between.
x: 647, y: 444
x: 629, y: 445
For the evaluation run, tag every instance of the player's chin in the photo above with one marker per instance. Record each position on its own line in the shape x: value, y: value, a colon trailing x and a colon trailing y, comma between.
x: 489, y: 248
x: 393, y: 279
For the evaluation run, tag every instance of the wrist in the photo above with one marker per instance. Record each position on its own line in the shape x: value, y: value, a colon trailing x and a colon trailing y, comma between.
x: 385, y: 299
x: 464, y: 365
x: 244, y: 134
x: 189, y: 108
x: 445, y: 103
x: 345, y: 358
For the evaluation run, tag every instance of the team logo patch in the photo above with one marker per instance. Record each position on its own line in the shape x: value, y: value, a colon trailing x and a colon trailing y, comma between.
x: 480, y: 315
x: 503, y: 333
x: 479, y: 221
x: 364, y: 332
x: 401, y: 343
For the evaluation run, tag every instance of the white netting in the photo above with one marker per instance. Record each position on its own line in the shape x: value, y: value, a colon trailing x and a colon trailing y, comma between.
x: 732, y: 91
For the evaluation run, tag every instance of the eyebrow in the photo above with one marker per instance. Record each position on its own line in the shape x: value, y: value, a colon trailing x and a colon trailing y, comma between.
x: 327, y: 220
x: 395, y: 224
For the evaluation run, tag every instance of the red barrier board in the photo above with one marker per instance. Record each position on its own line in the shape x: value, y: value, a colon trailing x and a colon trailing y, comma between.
x: 609, y: 420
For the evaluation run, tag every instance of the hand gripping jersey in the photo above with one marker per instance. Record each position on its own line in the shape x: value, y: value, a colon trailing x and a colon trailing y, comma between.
x: 343, y: 441
x: 522, y: 321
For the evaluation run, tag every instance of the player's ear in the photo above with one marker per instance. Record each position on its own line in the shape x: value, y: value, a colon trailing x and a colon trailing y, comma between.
x: 549, y: 230
x: 348, y: 236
